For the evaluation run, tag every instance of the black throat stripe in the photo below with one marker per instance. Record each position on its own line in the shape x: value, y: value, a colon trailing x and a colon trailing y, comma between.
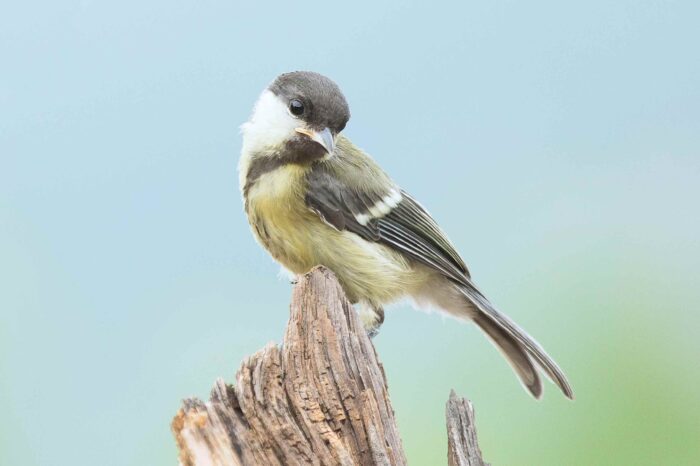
x: 298, y: 150
x: 258, y: 167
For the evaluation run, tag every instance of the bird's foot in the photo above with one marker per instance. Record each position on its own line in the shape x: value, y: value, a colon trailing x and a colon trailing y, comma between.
x: 373, y: 332
x: 372, y: 319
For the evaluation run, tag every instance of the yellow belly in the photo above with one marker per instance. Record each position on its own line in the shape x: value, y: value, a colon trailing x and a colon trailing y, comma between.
x: 298, y: 239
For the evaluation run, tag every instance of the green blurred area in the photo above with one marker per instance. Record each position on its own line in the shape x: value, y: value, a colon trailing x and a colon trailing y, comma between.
x: 632, y: 364
x: 557, y: 144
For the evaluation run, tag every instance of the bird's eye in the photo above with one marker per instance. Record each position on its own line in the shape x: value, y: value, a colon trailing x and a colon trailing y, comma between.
x: 296, y: 107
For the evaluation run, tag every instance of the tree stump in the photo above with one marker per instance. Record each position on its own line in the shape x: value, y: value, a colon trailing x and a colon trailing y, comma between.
x: 320, y: 398
x: 462, y: 445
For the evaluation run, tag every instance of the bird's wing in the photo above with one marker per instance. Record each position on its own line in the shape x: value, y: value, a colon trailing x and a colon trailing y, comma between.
x: 389, y: 216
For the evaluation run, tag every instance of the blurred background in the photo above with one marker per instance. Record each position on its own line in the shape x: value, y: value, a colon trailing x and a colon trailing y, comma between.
x: 558, y: 145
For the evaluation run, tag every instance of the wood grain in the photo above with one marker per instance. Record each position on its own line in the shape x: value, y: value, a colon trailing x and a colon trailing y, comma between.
x: 462, y: 445
x: 320, y: 398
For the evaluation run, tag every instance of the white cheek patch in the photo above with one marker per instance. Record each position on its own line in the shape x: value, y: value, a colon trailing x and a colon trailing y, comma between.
x: 380, y: 208
x: 269, y: 126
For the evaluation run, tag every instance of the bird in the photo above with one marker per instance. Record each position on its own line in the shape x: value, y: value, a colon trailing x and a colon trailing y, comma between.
x: 312, y: 197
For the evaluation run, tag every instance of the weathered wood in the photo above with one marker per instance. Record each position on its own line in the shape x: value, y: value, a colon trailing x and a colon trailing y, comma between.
x: 320, y: 398
x: 462, y: 445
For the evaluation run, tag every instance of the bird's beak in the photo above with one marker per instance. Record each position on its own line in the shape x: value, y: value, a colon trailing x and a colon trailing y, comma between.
x: 323, y: 137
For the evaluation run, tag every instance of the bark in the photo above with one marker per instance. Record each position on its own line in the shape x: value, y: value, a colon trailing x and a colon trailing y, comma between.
x: 320, y: 398
x: 462, y: 445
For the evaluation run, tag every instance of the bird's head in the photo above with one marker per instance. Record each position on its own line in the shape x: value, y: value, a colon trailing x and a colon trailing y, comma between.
x: 298, y: 116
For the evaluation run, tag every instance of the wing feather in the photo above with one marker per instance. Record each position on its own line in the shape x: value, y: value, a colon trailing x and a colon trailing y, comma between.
x: 406, y: 227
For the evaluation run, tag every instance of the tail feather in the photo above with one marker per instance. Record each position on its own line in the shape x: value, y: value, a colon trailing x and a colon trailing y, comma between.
x: 516, y: 344
x: 516, y: 355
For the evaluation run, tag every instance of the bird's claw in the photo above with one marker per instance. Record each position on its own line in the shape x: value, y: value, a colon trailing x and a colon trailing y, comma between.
x: 373, y: 332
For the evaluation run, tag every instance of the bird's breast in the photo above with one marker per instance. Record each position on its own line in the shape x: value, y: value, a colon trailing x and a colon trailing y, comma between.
x: 279, y: 217
x: 299, y: 240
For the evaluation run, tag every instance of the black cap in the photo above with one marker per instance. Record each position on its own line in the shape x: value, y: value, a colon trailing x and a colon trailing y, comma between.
x: 324, y: 105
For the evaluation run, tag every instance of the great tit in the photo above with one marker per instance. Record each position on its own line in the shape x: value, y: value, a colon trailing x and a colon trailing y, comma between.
x: 313, y: 198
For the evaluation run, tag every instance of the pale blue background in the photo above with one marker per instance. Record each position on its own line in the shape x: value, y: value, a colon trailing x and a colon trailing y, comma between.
x: 558, y: 144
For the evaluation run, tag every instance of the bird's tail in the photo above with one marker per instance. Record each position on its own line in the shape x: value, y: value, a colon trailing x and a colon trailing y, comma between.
x: 516, y: 345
